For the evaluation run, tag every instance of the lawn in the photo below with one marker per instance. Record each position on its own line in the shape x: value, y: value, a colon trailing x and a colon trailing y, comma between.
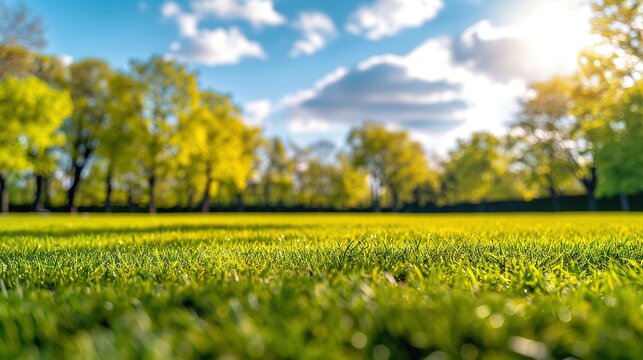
x: 322, y: 286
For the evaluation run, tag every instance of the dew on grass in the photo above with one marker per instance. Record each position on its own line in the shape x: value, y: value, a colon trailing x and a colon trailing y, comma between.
x: 483, y: 311
x: 381, y: 352
x: 359, y: 340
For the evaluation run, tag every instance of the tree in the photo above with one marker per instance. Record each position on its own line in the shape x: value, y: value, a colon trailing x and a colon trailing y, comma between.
x: 19, y: 32
x: 170, y: 91
x: 211, y: 139
x: 393, y: 160
x: 607, y: 71
x: 619, y: 24
x: 30, y: 113
x: 350, y: 185
x: 89, y: 88
x: 325, y: 180
x: 277, y: 175
x: 15, y: 60
x: 117, y: 136
x: 427, y: 190
x: 51, y: 70
x: 478, y: 170
x: 19, y: 26
x: 314, y: 174
x: 542, y: 137
x: 619, y: 158
x: 248, y: 163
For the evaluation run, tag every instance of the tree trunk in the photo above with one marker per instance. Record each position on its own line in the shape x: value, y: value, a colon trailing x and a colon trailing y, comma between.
x: 625, y: 202
x: 239, y: 201
x: 376, y: 199
x: 108, y: 192
x: 592, y: 204
x: 73, y: 189
x: 553, y: 195
x: 266, y: 194
x: 130, y: 198
x: 46, y: 199
x: 39, y: 198
x: 417, y: 198
x: 152, y: 183
x: 396, y: 200
x: 590, y: 186
x: 205, y: 203
x: 4, y: 195
x: 190, y: 198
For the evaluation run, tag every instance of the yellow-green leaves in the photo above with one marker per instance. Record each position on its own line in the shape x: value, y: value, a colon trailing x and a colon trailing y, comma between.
x: 30, y: 113
x: 395, y: 163
x: 621, y: 156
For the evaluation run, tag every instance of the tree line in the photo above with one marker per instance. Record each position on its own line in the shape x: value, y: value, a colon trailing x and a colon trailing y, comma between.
x: 85, y: 134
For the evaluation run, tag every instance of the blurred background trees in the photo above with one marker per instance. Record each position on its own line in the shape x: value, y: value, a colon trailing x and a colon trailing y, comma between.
x: 86, y: 135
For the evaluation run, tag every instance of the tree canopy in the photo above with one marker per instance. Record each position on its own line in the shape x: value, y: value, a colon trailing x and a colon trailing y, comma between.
x: 150, y: 135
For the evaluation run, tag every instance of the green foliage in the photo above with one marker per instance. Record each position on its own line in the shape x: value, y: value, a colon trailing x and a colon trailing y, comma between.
x: 608, y: 96
x: 351, y: 186
x: 89, y: 88
x: 19, y: 27
x: 620, y: 157
x: 394, y: 161
x: 619, y: 23
x: 251, y: 141
x: 170, y: 92
x: 277, y: 179
x: 30, y: 113
x: 329, y: 286
x: 542, y: 136
x: 117, y: 137
x: 14, y: 60
x: 478, y: 170
x: 150, y: 135
x: 211, y: 139
x: 50, y: 69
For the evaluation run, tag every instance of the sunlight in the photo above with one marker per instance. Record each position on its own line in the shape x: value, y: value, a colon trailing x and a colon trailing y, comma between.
x: 554, y: 33
x: 560, y: 31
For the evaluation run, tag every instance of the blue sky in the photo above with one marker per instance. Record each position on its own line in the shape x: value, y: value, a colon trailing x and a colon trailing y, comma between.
x: 308, y: 70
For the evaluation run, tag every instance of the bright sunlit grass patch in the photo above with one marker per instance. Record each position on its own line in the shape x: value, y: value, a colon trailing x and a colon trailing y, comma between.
x: 322, y: 286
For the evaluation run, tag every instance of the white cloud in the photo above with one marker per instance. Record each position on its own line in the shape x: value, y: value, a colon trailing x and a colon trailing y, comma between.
x: 317, y: 30
x: 257, y: 111
x: 388, y: 17
x: 216, y: 47
x: 426, y: 91
x: 310, y: 126
x: 545, y: 43
x: 382, y: 91
x: 299, y: 96
x: 170, y: 9
x: 188, y: 23
x: 219, y: 46
x: 256, y: 12
x: 446, y: 88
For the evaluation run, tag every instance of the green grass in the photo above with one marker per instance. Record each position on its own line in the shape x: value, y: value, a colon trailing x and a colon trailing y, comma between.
x: 322, y: 286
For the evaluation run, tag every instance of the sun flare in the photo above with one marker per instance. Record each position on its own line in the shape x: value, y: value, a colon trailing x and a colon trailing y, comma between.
x: 559, y: 32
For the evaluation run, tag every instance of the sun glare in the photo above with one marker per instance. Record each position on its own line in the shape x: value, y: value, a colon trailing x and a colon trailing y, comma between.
x: 559, y: 31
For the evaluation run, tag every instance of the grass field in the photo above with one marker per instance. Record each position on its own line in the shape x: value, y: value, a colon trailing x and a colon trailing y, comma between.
x: 322, y: 286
